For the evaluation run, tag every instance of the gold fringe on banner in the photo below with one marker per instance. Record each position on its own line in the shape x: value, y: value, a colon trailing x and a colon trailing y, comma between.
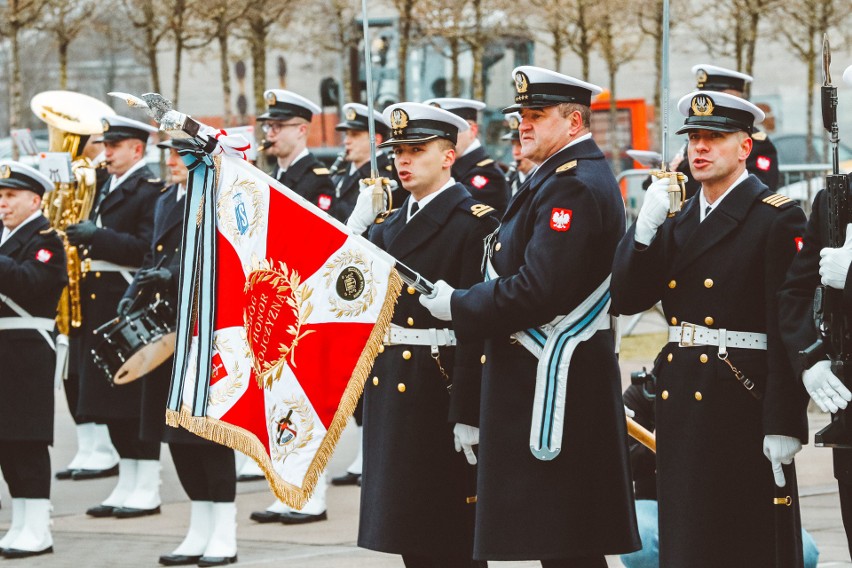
x: 244, y: 441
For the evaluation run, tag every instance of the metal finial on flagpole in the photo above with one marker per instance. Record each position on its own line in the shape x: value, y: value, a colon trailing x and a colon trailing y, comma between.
x: 368, y: 72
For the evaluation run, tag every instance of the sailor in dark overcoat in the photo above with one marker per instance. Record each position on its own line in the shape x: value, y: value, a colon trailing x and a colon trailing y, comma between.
x: 568, y: 500
x: 729, y: 411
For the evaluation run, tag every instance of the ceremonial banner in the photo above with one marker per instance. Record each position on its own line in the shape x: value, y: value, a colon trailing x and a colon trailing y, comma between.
x: 273, y: 363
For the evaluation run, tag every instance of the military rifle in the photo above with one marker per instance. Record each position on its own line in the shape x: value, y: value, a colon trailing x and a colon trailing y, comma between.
x: 829, y: 315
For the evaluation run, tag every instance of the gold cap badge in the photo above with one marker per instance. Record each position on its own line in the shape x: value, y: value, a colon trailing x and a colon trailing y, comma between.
x: 351, y: 114
x: 702, y: 105
x: 522, y: 82
x: 105, y: 124
x: 271, y: 99
x: 514, y: 123
x: 5, y: 172
x: 701, y: 78
x: 399, y: 119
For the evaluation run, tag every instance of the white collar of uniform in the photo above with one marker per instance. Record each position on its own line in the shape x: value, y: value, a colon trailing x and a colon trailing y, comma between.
x: 352, y: 169
x: 115, y: 182
x: 586, y: 136
x: 425, y: 201
x: 181, y: 191
x: 473, y: 146
x: 301, y: 155
x: 7, y: 233
x: 702, y: 201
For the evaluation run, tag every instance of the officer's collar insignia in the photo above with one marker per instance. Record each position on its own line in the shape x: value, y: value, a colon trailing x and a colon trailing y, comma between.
x: 351, y: 114
x: 702, y: 105
x: 271, y: 99
x: 5, y: 172
x: 701, y: 78
x: 399, y: 119
x: 105, y: 124
x: 514, y: 123
x: 522, y: 82
x: 566, y: 166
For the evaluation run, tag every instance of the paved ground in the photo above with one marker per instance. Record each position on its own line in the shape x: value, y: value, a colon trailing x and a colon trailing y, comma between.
x: 82, y: 541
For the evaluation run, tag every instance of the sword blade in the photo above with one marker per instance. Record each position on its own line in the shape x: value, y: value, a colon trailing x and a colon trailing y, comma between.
x: 826, y: 61
x: 368, y: 76
x: 664, y: 89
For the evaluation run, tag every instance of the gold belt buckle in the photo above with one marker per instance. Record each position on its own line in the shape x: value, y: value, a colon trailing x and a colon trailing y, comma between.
x: 786, y: 501
x: 691, y: 341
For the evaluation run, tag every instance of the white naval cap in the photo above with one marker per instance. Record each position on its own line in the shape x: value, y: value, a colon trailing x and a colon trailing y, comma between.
x: 15, y: 175
x: 721, y: 112
x: 355, y: 118
x: 412, y: 123
x: 715, y: 78
x: 465, y: 108
x: 847, y: 75
x: 536, y: 87
x: 284, y: 105
x: 513, y: 121
x: 117, y: 127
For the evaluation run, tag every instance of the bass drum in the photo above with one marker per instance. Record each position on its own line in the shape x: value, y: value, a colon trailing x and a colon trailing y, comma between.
x: 134, y: 345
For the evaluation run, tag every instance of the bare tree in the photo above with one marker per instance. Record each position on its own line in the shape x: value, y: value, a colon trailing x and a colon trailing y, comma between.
x: 186, y: 28
x: 581, y: 36
x: 616, y: 49
x: 17, y: 16
x: 340, y: 34
x: 65, y: 21
x: 151, y: 18
x: 548, y: 19
x: 405, y: 13
x: 802, y: 23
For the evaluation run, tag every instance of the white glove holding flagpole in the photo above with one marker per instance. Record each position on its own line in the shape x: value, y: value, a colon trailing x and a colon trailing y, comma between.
x: 780, y: 450
x: 465, y: 438
x: 364, y: 213
x: 653, y: 213
x: 439, y: 303
x: 834, y: 263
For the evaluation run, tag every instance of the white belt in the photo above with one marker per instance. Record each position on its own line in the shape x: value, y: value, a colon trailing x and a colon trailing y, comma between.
x: 690, y: 335
x: 42, y: 324
x: 90, y: 265
x: 431, y: 337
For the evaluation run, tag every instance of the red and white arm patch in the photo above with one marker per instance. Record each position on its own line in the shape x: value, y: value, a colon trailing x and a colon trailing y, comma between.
x: 324, y: 202
x: 479, y: 182
x: 560, y: 219
x: 800, y: 242
x: 764, y: 163
x: 44, y: 255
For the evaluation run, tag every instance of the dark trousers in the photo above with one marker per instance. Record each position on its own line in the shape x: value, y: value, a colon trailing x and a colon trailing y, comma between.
x: 125, y: 437
x: 207, y: 472
x: 26, y: 469
x: 843, y: 474
x: 71, y: 386
x: 413, y: 561
x: 584, y: 562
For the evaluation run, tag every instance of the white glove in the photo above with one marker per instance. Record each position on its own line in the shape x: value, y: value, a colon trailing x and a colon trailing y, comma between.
x: 780, y: 450
x: 439, y: 303
x: 654, y: 211
x: 364, y: 214
x: 834, y: 262
x: 828, y: 392
x: 465, y: 438
x: 628, y: 412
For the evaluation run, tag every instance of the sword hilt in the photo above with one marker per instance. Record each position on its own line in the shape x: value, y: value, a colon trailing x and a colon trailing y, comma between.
x: 677, y: 189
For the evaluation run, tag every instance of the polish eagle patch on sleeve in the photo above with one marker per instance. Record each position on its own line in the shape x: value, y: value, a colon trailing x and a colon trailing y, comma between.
x: 560, y: 219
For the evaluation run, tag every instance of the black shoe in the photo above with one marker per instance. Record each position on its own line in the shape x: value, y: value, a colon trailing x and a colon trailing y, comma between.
x: 65, y: 474
x: 178, y: 559
x: 266, y: 517
x: 130, y: 513
x: 217, y: 560
x: 14, y: 553
x: 82, y: 474
x: 294, y: 518
x: 348, y: 479
x: 102, y: 511
x: 250, y: 477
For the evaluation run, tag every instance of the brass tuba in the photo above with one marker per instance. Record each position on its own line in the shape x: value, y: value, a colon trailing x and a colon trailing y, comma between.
x: 71, y: 118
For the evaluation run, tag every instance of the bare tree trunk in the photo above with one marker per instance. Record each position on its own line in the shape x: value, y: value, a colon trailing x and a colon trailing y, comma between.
x: 556, y: 46
x: 658, y: 66
x: 810, y: 112
x: 225, y: 72
x: 402, y: 53
x: 478, y: 88
x: 614, y: 148
x: 63, y: 63
x: 258, y: 62
x: 15, y: 88
x: 455, y: 80
x: 178, y: 61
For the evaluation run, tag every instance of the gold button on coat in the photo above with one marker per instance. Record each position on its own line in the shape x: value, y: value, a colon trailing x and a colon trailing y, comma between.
x: 669, y: 358
x: 698, y: 395
x: 672, y: 283
x: 708, y: 283
x: 410, y: 321
x: 665, y: 395
x: 411, y: 290
x: 708, y: 320
x: 703, y: 358
x: 97, y: 274
x: 406, y: 354
x: 482, y: 359
x: 674, y: 321
x: 159, y: 248
x: 93, y: 296
x: 400, y: 387
x: 376, y: 380
x: 497, y: 247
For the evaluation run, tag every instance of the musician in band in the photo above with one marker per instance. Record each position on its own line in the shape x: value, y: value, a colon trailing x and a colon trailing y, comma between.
x: 552, y: 252
x: 726, y: 392
x: 285, y: 124
x: 521, y: 167
x: 474, y: 168
x: 112, y: 244
x: 206, y: 470
x: 417, y: 493
x: 818, y: 264
x: 32, y: 276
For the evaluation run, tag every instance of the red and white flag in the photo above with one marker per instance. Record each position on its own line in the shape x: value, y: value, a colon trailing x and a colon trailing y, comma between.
x: 301, y: 310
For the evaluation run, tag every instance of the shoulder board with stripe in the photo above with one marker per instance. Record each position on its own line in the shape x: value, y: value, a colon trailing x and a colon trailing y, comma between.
x: 759, y: 136
x: 567, y: 166
x: 321, y: 171
x: 480, y: 209
x: 485, y: 162
x: 777, y: 200
x: 154, y: 180
x: 164, y: 189
x: 46, y: 231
